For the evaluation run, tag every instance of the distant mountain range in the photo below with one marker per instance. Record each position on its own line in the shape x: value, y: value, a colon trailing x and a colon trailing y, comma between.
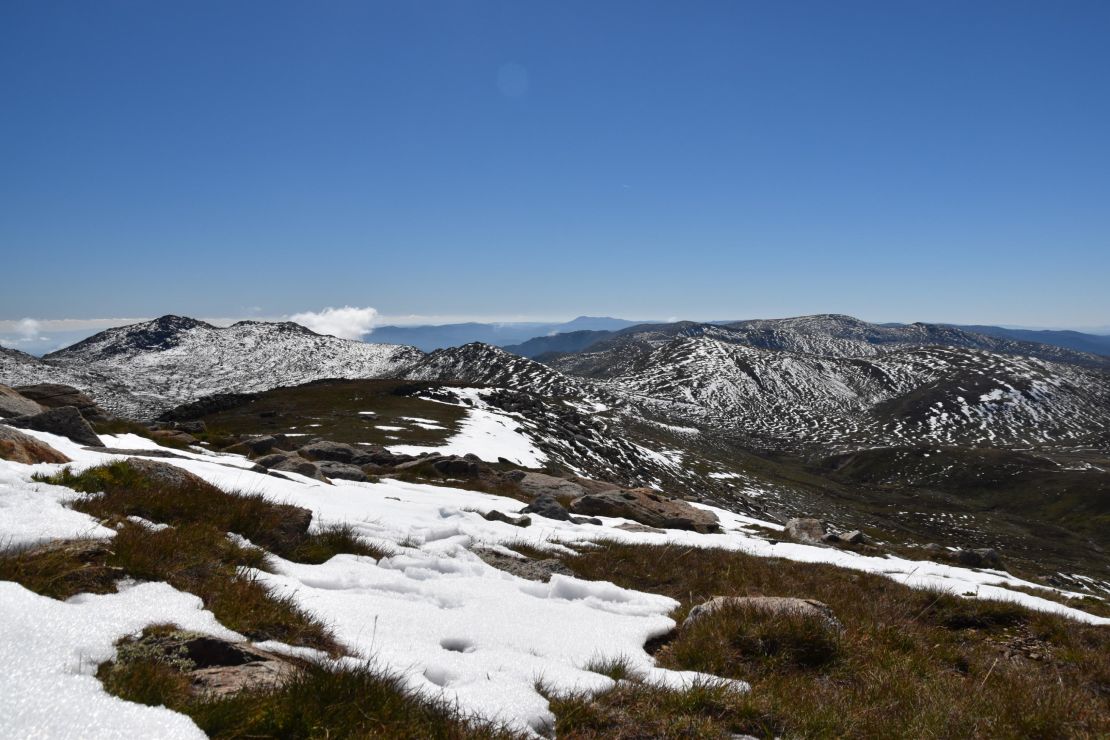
x: 1095, y: 344
x: 847, y: 335
x: 429, y: 338
x: 831, y: 381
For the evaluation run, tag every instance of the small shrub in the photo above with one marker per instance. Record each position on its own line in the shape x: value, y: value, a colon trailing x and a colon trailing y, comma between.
x: 739, y: 642
x: 618, y: 669
x: 638, y: 710
x: 321, y: 546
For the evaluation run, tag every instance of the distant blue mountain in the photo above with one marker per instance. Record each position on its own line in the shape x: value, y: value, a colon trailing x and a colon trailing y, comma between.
x: 1096, y: 344
x: 430, y: 338
x: 571, y: 341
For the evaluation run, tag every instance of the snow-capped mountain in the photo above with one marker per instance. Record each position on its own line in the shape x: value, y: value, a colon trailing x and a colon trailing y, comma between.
x: 927, y: 395
x: 826, y: 335
x: 171, y: 360
x: 822, y: 382
x: 488, y: 365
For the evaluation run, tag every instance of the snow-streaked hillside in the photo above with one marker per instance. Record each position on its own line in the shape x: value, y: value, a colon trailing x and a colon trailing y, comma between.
x: 172, y: 360
x: 824, y: 335
x: 829, y: 382
x: 923, y: 395
x: 488, y: 365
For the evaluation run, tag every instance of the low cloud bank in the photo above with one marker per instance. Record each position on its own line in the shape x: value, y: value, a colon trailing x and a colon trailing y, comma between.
x: 348, y: 322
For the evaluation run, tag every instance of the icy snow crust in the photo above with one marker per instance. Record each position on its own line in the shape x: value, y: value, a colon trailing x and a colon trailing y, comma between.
x: 451, y: 625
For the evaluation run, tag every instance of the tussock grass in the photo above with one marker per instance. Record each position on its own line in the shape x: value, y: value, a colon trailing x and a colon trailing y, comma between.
x: 636, y: 710
x: 62, y: 569
x: 618, y: 669
x: 335, y: 539
x: 194, y: 553
x: 201, y: 560
x: 319, y: 701
x: 126, y: 491
x: 746, y: 642
x: 907, y: 664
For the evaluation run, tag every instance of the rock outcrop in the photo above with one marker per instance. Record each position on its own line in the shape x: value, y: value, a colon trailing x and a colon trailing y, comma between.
x: 777, y: 605
x: 65, y: 421
x: 807, y: 529
x: 56, y: 395
x: 13, y: 403
x: 547, y: 506
x: 23, y: 448
x: 647, y: 506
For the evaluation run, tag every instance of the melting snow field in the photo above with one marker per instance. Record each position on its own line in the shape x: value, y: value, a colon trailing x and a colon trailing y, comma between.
x: 485, y: 433
x: 450, y: 624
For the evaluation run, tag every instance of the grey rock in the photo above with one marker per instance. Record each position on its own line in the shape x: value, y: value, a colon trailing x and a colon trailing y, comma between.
x: 173, y: 435
x: 16, y: 404
x: 215, y: 668
x: 855, y: 537
x: 637, y: 527
x: 547, y: 506
x: 255, y: 445
x: 458, y: 467
x: 167, y: 474
x: 807, y: 530
x: 784, y: 605
x: 417, y: 462
x: 269, y: 461
x: 985, y: 557
x: 540, y: 484
x: 499, y: 516
x: 342, y: 471
x: 56, y: 395
x: 65, y: 421
x: 297, y: 464
x: 320, y: 450
x: 533, y: 570
x: 191, y: 427
x: 647, y: 506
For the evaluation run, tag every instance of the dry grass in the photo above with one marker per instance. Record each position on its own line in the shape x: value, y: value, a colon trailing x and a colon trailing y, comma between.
x: 635, y: 710
x: 321, y: 701
x: 194, y: 554
x: 62, y: 569
x: 907, y: 664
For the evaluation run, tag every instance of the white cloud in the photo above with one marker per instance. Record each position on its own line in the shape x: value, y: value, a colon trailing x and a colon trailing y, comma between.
x: 52, y: 325
x: 346, y: 323
x: 28, y: 329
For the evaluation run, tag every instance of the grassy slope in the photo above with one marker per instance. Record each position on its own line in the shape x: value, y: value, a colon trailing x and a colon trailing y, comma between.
x: 907, y: 664
x: 330, y: 409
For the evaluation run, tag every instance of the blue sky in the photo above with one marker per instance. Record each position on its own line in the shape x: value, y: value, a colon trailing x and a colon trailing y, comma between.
x: 898, y: 161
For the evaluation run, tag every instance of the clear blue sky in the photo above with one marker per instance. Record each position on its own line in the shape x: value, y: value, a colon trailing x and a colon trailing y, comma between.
x: 895, y: 160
